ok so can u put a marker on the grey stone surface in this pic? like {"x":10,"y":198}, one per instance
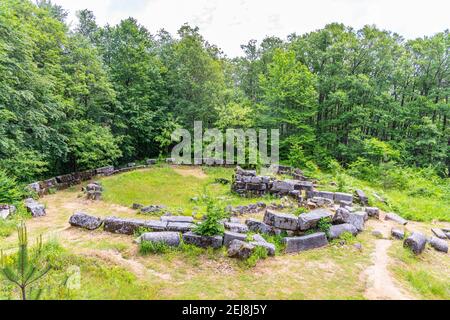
{"x":396,"y":218}
{"x":259,"y":226}
{"x":258,"y":238}
{"x":94,"y":187}
{"x":35,"y":208}
{"x":236,"y":227}
{"x":397,"y":234}
{"x":137,"y":206}
{"x":240,"y":249}
{"x":439,"y":244}
{"x":282,"y":187}
{"x":416,"y":242}
{"x":83,"y":220}
{"x":281,"y":220}
{"x":312,"y":241}
{"x":339,"y":196}
{"x":341,"y":216}
{"x":122,"y":226}
{"x":448,"y":235}
{"x":373,"y":212}
{"x":439,"y":233}
{"x":270,"y":247}
{"x":183,"y":219}
{"x":321,"y":202}
{"x":155,"y":225}
{"x":362,"y":198}
{"x":151,"y":161}
{"x":309,"y":220}
{"x":229,"y":236}
{"x":325,"y":194}
{"x":203,"y":241}
{"x":242,"y":172}
{"x":6,"y":211}
{"x":357,"y":219}
{"x":105,"y":171}
{"x":172,"y":239}
{"x":337,"y":230}
{"x":152,"y":209}
{"x":180,"y":226}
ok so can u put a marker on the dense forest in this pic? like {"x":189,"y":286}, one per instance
{"x":89,"y":95}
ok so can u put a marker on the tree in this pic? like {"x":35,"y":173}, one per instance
{"x":289,"y":99}
{"x":28,"y":270}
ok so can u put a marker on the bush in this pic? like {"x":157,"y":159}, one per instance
{"x":212,"y":225}
{"x":10,"y":192}
{"x":324,"y":225}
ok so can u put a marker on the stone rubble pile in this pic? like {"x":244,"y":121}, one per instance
{"x":249,"y":209}
{"x":93,"y":191}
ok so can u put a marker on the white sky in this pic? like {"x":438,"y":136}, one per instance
{"x":230,"y":23}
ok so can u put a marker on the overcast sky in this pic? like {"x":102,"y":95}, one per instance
{"x":230,"y":23}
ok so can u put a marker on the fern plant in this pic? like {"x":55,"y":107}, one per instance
{"x":27,"y":270}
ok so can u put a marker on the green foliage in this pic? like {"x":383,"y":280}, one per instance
{"x":259,"y":253}
{"x":324,"y":225}
{"x":300,"y":210}
{"x":29,"y":270}
{"x":10,"y":192}
{"x":211,"y":225}
{"x":92,"y":146}
{"x":347,"y":238}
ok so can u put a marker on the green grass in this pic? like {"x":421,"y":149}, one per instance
{"x":425,"y":275}
{"x":419,"y":200}
{"x":164,"y":186}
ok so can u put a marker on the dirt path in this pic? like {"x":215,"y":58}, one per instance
{"x":193,"y":172}
{"x":381,"y":285}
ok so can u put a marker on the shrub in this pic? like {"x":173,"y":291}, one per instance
{"x":10,"y":192}
{"x":212,"y":225}
{"x":324,"y":225}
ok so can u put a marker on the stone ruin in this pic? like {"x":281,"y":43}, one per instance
{"x":93,"y":191}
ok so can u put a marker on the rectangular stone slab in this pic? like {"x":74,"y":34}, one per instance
{"x":236,"y":227}
{"x":396,"y":218}
{"x":203,"y":241}
{"x":309,"y":220}
{"x":339,"y":196}
{"x":439,"y":233}
{"x":180,"y":226}
{"x":229,"y":236}
{"x":312,"y":241}
{"x":281,"y":220}
{"x":184,"y":219}
{"x":155,"y":225}
{"x":123,"y":226}
{"x":259,"y":226}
